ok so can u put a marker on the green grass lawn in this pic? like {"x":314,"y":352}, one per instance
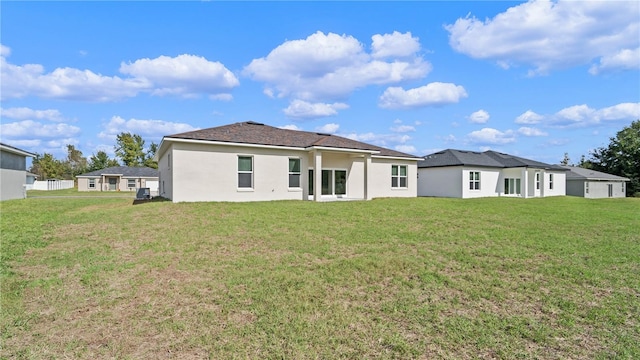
{"x":389,"y":278}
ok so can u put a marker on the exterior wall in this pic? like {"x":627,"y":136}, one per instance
{"x":209,"y":172}
{"x":559,"y":184}
{"x":489,"y":183}
{"x":204,"y":172}
{"x":11,"y":161}
{"x":380,"y":181}
{"x":440,"y":182}
{"x":12,"y":184}
{"x":576,"y":188}
{"x":13,"y":176}
{"x":593,"y":189}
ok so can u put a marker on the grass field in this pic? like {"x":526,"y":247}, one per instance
{"x":552,"y":278}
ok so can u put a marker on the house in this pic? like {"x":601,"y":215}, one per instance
{"x":594,"y":184}
{"x":470,"y":174}
{"x":119,"y":178}
{"x":13,"y":172}
{"x":250,"y":161}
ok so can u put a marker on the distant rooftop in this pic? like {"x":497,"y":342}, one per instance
{"x":452,"y":157}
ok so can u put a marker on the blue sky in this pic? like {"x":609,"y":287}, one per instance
{"x":535,"y":79}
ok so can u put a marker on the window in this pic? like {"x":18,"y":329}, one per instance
{"x":512,"y":186}
{"x":131,"y":183}
{"x":294,"y":173}
{"x":245,"y":172}
{"x":537,"y":181}
{"x":551,"y":181}
{"x":474,"y":180}
{"x":92,"y":183}
{"x":398,"y":176}
{"x":586,"y":187}
{"x":169,"y":161}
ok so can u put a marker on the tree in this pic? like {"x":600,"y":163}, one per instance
{"x":565,"y":159}
{"x":75,"y":164}
{"x":101,"y":161}
{"x":130,"y":149}
{"x":151,"y":152}
{"x":47,"y":167}
{"x":621,"y":157}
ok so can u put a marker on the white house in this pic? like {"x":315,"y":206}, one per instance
{"x":13,"y":172}
{"x":249,"y":161}
{"x":470,"y":174}
{"x":594,"y":184}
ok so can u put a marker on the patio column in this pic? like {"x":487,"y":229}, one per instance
{"x":525,"y":183}
{"x":367,"y":176}
{"x":317,"y":175}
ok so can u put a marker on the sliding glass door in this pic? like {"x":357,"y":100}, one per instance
{"x":334,"y":182}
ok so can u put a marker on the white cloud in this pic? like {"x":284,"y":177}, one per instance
{"x":529,"y":117}
{"x":144,"y":128}
{"x":185,"y":75}
{"x":330,"y":66}
{"x":30,"y":129}
{"x":385,"y":140}
{"x":552,"y":35}
{"x":394,"y":45}
{"x":433,"y":94}
{"x":582,"y":115}
{"x":490,"y":136}
{"x":299,"y":109}
{"x":407,"y":149}
{"x":330,"y":128}
{"x":479,"y":117}
{"x":290,"y":127}
{"x":529,"y":131}
{"x":403,"y":128}
{"x":24,"y":113}
{"x":625,"y":59}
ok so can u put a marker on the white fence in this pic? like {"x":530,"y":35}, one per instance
{"x":51,"y":185}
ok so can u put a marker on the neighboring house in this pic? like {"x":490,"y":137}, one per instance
{"x":594,"y":184}
{"x":13,"y":172}
{"x":250,"y":161}
{"x":119,"y":178}
{"x":470,"y":174}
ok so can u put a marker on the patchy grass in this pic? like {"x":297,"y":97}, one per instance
{"x":388,"y":278}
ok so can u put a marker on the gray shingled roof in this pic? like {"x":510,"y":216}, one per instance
{"x":578,"y":173}
{"x":125,"y":171}
{"x":451,"y":157}
{"x":255,"y":133}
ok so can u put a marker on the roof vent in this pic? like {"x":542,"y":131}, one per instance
{"x":254,"y":123}
{"x":323,"y":134}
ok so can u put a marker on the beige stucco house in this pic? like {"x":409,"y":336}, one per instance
{"x":471,"y":174}
{"x":249,"y":161}
{"x":13,"y":172}
{"x":119,"y":178}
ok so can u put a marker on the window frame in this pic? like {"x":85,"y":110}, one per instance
{"x":129,"y":183}
{"x":242,"y":172}
{"x":398,"y":177}
{"x":474,"y":181}
{"x":537,"y":181}
{"x":294,"y":174}
{"x":513,"y":186}
{"x":550,"y":181}
{"x":91,"y":183}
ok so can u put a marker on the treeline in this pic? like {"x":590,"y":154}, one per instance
{"x":621,"y":157}
{"x":129,"y":150}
